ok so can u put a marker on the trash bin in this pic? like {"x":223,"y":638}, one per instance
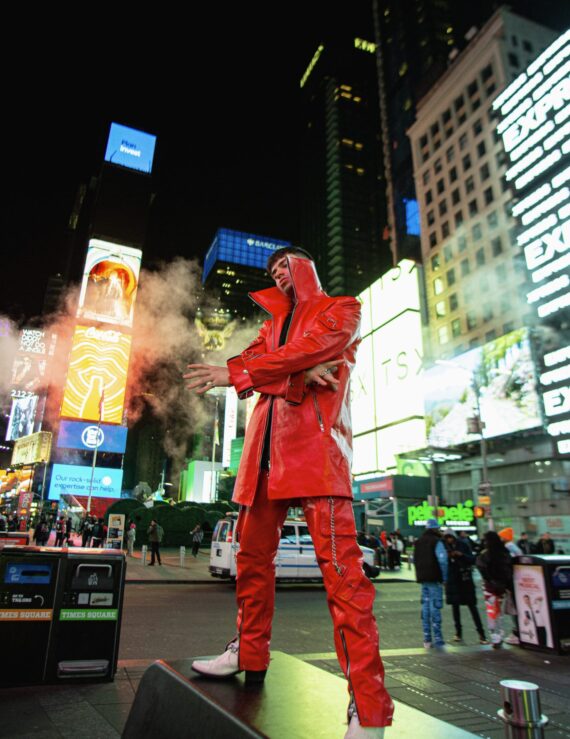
{"x":15,"y":537}
{"x":61,"y":613}
{"x":29,"y":578}
{"x":542,"y":596}
{"x":87,"y":623}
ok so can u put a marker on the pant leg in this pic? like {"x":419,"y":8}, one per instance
{"x":350,"y":597}
{"x":493,"y":607}
{"x":436,"y":606}
{"x":426,"y":611}
{"x":457,"y":618}
{"x":258,"y":530}
{"x":477,"y":619}
{"x":152,"y":552}
{"x":158,"y":552}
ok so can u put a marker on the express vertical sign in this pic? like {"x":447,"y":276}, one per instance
{"x":534,"y":113}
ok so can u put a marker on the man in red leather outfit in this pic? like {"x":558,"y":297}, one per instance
{"x":298,"y":451}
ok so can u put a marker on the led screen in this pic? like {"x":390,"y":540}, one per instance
{"x":87,"y":436}
{"x":97,"y":368}
{"x":110,"y":280}
{"x":238,"y":247}
{"x":76,"y":480}
{"x":130,"y":148}
{"x":22,"y":416}
{"x":503,"y":371}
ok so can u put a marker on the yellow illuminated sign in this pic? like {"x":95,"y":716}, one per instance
{"x":97,"y":368}
{"x":33,"y":448}
{"x":312,"y":63}
{"x":363,"y":45}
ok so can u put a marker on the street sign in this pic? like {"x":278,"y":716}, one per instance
{"x":485,"y":488}
{"x":484,"y":500}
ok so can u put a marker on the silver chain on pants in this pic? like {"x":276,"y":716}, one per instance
{"x":336,"y":565}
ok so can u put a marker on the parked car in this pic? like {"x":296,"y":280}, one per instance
{"x":295,"y":558}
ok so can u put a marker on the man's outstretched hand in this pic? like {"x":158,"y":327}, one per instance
{"x":323,"y":375}
{"x":204,"y":377}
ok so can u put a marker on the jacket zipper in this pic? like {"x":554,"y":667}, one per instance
{"x":318,"y":410}
{"x":345,"y":650}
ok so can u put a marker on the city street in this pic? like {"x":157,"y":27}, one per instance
{"x":166,"y":617}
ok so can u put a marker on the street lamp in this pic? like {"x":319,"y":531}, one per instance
{"x":476,"y":425}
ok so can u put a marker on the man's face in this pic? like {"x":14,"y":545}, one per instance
{"x":282,"y":277}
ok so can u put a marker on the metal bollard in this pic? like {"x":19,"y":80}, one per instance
{"x":144,"y":549}
{"x":521,"y":712}
{"x":182,"y":556}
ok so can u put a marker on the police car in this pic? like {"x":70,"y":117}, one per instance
{"x":295,"y":558}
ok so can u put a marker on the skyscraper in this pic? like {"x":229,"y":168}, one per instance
{"x":343,"y":196}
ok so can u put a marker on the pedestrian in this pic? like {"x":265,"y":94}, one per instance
{"x":297,"y":452}
{"x":97,"y":533}
{"x":86,"y":532}
{"x":68,"y":530}
{"x":430,"y":557}
{"x":507,"y":535}
{"x":12,"y":523}
{"x":545,"y":544}
{"x":59,"y":531}
{"x":41,"y":532}
{"x":459,"y":587}
{"x":131,"y":537}
{"x":155,"y":533}
{"x":494,"y":564}
{"x":524,"y":544}
{"x":399,"y":550}
{"x":3,"y":522}
{"x":197,"y":536}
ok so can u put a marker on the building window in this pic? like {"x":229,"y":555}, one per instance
{"x":513,"y":59}
{"x":461,"y":244}
{"x":456,"y":327}
{"x":442,"y":208}
{"x":430,"y":217}
{"x":487,"y":312}
{"x":458,"y":218}
{"x":440,"y":186}
{"x":452,"y":174}
{"x":440,"y":309}
{"x":437,"y":167}
{"x":485,"y":172}
{"x":432,"y":239}
{"x":450,"y":277}
{"x":471,"y":320}
{"x":443,"y":335}
{"x":463,"y":142}
{"x":450,"y":154}
{"x":527,"y":46}
{"x":469,"y":184}
{"x":491,"y":335}
{"x":488,"y":196}
{"x":459,"y":102}
{"x":477,"y":127}
{"x":480,"y":257}
{"x":446,"y":117}
{"x":491,"y":89}
{"x":505,"y":305}
{"x":501,"y":273}
{"x":426,"y":176}
{"x":423,"y":141}
{"x":497,"y":246}
{"x":493,"y":219}
{"x":438,"y":286}
{"x":447,"y":253}
{"x":445,"y":229}
{"x":481,"y":149}
{"x":487,"y":72}
{"x":453,"y":302}
{"x":508,"y":327}
{"x":477,"y":232}
{"x":435,"y":262}
{"x":466,"y":162}
{"x":473,"y":209}
{"x":455,"y":196}
{"x":429,"y":197}
{"x":472,"y":89}
{"x":484,"y":285}
{"x":465,"y":267}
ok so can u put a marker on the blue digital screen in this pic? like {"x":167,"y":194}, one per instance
{"x":412,"y":216}
{"x":20,"y":573}
{"x":80,"y":435}
{"x":75,"y":479}
{"x":238,"y":247}
{"x":130,"y":148}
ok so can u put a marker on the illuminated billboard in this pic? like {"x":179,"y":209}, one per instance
{"x":238,"y":247}
{"x":97,"y":368}
{"x":90,"y":436}
{"x":128,"y":147}
{"x":32,"y":449}
{"x":22,"y":415}
{"x":534,"y":123}
{"x":76,"y":480}
{"x":386,"y":396}
{"x":109,"y":285}
{"x":502,"y":373}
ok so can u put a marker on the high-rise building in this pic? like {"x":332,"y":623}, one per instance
{"x":343,"y":195}
{"x":474,"y":273}
{"x":234,"y":265}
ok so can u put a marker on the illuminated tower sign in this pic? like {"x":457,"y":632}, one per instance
{"x":534,"y":124}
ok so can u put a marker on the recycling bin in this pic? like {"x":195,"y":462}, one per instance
{"x":61,"y":613}
{"x":29,"y":580}
{"x":542,"y":597}
{"x":85,"y":636}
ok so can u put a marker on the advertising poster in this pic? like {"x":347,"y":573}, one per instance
{"x":97,"y":368}
{"x":28,"y":373}
{"x":532,"y":606}
{"x":130,"y":148}
{"x":110,"y":281}
{"x":115,"y":531}
{"x":89,"y":436}
{"x":76,"y":480}
{"x":22,"y":416}
{"x":32,"y":449}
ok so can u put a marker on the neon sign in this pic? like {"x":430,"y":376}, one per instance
{"x":458,"y":515}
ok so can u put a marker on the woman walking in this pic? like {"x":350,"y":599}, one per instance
{"x":494,"y":564}
{"x":459,"y":587}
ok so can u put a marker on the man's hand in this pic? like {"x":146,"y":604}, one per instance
{"x":206,"y":376}
{"x":322,"y":374}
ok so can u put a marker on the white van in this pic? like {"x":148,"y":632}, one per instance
{"x":295,"y":556}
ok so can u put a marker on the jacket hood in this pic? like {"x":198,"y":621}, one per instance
{"x":306,"y":285}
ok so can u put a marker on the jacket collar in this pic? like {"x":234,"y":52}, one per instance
{"x":306,"y":286}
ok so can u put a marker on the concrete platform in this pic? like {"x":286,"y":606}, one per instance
{"x":297,"y":700}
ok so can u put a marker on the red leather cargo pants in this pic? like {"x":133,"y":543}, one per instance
{"x":350,"y":594}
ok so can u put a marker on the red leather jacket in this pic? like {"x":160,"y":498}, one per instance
{"x":311,"y":437}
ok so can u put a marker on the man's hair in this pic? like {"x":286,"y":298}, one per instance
{"x":295,"y":250}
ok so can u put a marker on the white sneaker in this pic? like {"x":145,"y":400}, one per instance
{"x":356,"y":731}
{"x":512,"y":639}
{"x":226,"y":665}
